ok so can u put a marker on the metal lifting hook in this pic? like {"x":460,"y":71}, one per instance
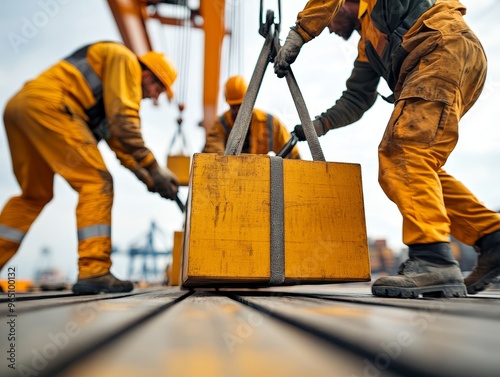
{"x":270,"y":31}
{"x":264,"y":27}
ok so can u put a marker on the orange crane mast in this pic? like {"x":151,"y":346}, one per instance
{"x":131,"y":17}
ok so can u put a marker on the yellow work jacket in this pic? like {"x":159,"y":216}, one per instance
{"x":120,"y":76}
{"x":390,"y":48}
{"x":266,"y":133}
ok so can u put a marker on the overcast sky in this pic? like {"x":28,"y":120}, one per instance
{"x":34,"y":34}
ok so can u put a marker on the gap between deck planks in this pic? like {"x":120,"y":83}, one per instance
{"x":317,"y":331}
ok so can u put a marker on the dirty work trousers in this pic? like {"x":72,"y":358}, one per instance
{"x":45,"y":140}
{"x":421,"y":134}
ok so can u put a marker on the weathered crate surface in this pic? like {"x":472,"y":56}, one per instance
{"x":326,"y":330}
{"x":238,"y":211}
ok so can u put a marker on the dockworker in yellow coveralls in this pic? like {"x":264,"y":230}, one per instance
{"x":265,"y":134}
{"x":53,"y":125}
{"x":436,"y":67}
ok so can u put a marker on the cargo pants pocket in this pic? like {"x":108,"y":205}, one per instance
{"x":416,"y":120}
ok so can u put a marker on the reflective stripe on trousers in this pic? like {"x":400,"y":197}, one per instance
{"x":11,"y":234}
{"x":98,"y":230}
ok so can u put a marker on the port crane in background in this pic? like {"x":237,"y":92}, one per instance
{"x":148,"y":256}
{"x":148,"y":253}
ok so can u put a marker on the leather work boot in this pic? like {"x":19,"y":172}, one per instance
{"x":431,"y":271}
{"x":488,"y":263}
{"x":104,"y":283}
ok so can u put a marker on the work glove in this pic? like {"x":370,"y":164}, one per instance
{"x":319,"y":127}
{"x":165,"y":182}
{"x":287,"y":53}
{"x":143,"y":175}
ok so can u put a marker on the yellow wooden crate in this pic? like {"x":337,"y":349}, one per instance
{"x":175,"y":266}
{"x":228,"y":223}
{"x":180,"y":165}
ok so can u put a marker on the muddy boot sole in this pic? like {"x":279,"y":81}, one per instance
{"x":93,"y":289}
{"x":443,"y":291}
{"x":481,"y":285}
{"x":88,"y":289}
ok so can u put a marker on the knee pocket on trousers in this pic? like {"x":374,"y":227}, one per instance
{"x":418,"y":121}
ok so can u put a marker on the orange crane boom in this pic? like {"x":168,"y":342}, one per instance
{"x":131,"y":17}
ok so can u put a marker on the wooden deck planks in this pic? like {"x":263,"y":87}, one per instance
{"x":37,"y":301}
{"x":53,"y":336}
{"x":323,"y":330}
{"x":214,"y":336}
{"x":484,"y":305}
{"x":426,"y":339}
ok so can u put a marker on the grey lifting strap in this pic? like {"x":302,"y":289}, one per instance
{"x":236,"y":139}
{"x":270,"y":130}
{"x":237,"y":136}
{"x":79,"y":60}
{"x":277,"y":222}
{"x":305,"y":119}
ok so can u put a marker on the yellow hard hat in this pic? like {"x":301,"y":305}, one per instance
{"x":162,"y":67}
{"x":236,"y":87}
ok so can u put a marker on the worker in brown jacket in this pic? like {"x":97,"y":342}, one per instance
{"x":436,"y":67}
{"x":53,"y":125}
{"x":265,"y":134}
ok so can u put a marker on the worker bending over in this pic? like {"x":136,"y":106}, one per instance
{"x":265,"y":134}
{"x":53,"y":126}
{"x":436,"y":67}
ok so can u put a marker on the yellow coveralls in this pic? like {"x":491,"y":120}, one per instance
{"x":46,"y":125}
{"x":258,"y":142}
{"x":439,"y":76}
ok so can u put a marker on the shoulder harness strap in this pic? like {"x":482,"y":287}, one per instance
{"x":96,"y":114}
{"x":270,"y":132}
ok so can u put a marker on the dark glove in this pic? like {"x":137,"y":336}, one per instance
{"x":143,"y":175}
{"x":287,"y":53}
{"x":165,"y":182}
{"x":319,"y":127}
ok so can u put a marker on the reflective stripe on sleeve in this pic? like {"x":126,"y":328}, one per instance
{"x":11,"y":234}
{"x":94,"y":231}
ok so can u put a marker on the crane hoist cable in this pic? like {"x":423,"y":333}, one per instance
{"x":236,"y":26}
{"x":240,"y":37}
{"x":177,"y":47}
{"x":180,"y":45}
{"x":181,"y":53}
{"x":183,"y":48}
